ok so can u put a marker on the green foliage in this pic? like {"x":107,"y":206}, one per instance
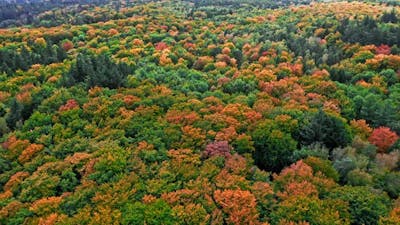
{"x":345,"y":165}
{"x":315,"y":150}
{"x":376,"y":111}
{"x":155,"y":213}
{"x":390,"y":76}
{"x":172,"y":112}
{"x":182,"y":80}
{"x":69,"y":180}
{"x":389,"y":182}
{"x":19,"y":217}
{"x":323,"y":166}
{"x":23,"y":59}
{"x":14,"y":116}
{"x":367,"y":31}
{"x":390,"y":17}
{"x":240,"y":86}
{"x":312,"y":210}
{"x":110,"y":166}
{"x":273,"y":148}
{"x":324,"y":128}
{"x":243,"y":145}
{"x":76,"y":201}
{"x":357,"y":177}
{"x":97,"y":71}
{"x":365,"y":206}
{"x":38,"y":187}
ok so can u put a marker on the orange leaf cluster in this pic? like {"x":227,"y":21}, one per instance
{"x":239,"y":205}
{"x":29,"y":152}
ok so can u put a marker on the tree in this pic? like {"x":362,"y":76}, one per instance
{"x":323,"y":166}
{"x":15,"y":114}
{"x":324,"y":128}
{"x":362,"y":129}
{"x":389,"y":182}
{"x":191,"y":214}
{"x":376,"y":110}
{"x":300,"y":209}
{"x":392,"y":219}
{"x":41,"y":42}
{"x":390,"y":76}
{"x":358,"y":177}
{"x":240,"y":206}
{"x":300,"y":180}
{"x":29,"y":151}
{"x":218,"y":148}
{"x":97,"y":71}
{"x":111,"y":165}
{"x":383,"y":138}
{"x":390,"y":17}
{"x":67,"y":45}
{"x":273,"y":147}
{"x":366,"y":207}
{"x":157,"y":213}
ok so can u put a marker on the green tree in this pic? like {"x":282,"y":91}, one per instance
{"x":366,"y":206}
{"x":15,"y":114}
{"x":312,"y":210}
{"x":273,"y":147}
{"x":324,"y":128}
{"x":155,"y":213}
{"x":97,"y":71}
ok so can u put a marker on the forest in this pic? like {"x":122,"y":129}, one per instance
{"x":202,"y":112}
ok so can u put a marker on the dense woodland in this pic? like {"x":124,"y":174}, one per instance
{"x":200,"y":112}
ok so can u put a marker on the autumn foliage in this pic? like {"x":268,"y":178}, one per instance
{"x":383,"y":138}
{"x":238,"y":205}
{"x":199,"y":112}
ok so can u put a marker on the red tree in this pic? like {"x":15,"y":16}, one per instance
{"x":218,"y":148}
{"x":383,"y":49}
{"x":68,"y":45}
{"x":71,"y":104}
{"x":161,"y":46}
{"x":383,"y":138}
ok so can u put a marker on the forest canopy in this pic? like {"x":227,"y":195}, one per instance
{"x":200,"y":112}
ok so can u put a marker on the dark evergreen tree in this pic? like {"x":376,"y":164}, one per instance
{"x":389,"y":17}
{"x":15,"y":113}
{"x":273,"y":148}
{"x":97,"y":71}
{"x":326,"y":129}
